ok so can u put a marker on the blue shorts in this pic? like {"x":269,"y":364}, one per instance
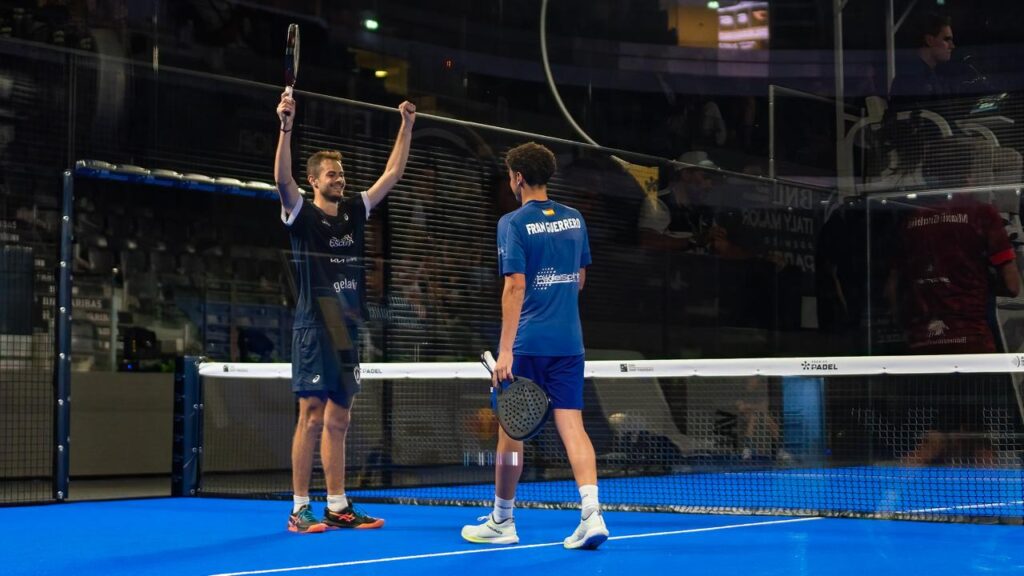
{"x":560,"y":376}
{"x":320,"y":370}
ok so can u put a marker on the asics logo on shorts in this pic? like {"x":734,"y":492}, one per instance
{"x":316,"y":379}
{"x":357,"y":373}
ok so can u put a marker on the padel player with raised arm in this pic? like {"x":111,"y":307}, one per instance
{"x":543,"y":251}
{"x":327,"y":251}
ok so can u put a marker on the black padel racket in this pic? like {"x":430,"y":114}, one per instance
{"x":522,"y":407}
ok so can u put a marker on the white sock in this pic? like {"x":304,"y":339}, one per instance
{"x":588,"y":500}
{"x":299,"y":502}
{"x":503,"y":508}
{"x":337,"y":503}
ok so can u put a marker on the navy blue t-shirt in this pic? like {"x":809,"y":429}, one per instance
{"x":547,"y":242}
{"x":327,"y":253}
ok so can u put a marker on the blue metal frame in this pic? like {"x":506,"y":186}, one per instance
{"x":182,"y":183}
{"x":62,"y":346}
{"x":187,"y":453}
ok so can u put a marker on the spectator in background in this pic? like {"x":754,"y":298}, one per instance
{"x":676,"y":217}
{"x":953,"y":257}
{"x":919,"y":77}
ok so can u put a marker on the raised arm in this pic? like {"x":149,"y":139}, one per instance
{"x":287,"y":188}
{"x":399,"y":156}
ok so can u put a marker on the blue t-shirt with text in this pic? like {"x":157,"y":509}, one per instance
{"x":547,"y":242}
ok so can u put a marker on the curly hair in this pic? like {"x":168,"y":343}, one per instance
{"x":535,"y":162}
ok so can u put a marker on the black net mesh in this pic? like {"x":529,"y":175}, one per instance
{"x":927,"y":447}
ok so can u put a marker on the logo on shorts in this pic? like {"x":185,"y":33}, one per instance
{"x":316,"y":379}
{"x":357,"y":374}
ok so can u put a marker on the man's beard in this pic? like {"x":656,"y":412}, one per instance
{"x":334,"y":194}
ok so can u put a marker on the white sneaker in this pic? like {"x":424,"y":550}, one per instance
{"x":491,"y":532}
{"x":590,"y":534}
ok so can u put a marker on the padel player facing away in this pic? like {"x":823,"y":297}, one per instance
{"x":327,"y":250}
{"x":543,"y":252}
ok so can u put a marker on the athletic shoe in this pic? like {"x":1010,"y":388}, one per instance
{"x":350,"y":517}
{"x":304,"y":522}
{"x":590,"y":534}
{"x":491,"y":532}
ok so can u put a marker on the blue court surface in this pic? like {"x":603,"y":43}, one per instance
{"x":203,"y":536}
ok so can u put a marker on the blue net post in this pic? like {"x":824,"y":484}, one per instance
{"x":62,"y":357}
{"x":188,"y":423}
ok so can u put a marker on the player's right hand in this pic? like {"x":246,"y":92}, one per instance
{"x":286,"y":111}
{"x":502,"y":369}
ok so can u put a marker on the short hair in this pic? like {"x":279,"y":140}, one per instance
{"x":930,"y":24}
{"x":534,"y":161}
{"x":313,"y":164}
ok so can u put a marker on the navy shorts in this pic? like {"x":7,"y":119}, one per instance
{"x":560,"y":376}
{"x":320,"y":370}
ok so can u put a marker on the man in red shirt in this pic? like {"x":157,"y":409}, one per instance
{"x":953,"y":256}
{"x":947,"y":250}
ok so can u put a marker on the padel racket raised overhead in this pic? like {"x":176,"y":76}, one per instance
{"x":291,"y":58}
{"x":522,"y":407}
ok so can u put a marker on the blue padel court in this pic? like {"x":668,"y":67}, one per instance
{"x":189,"y":536}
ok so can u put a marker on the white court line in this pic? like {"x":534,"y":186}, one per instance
{"x":965,"y":507}
{"x":506,"y":548}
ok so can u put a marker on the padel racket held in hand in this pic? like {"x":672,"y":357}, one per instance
{"x":291,"y":59}
{"x":522,"y":407}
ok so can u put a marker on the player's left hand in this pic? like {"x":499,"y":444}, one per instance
{"x":408,"y":110}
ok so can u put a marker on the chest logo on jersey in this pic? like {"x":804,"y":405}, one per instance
{"x":343,"y":242}
{"x":346,"y":284}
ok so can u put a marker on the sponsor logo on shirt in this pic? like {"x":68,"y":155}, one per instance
{"x":553,"y":227}
{"x":937,"y":328}
{"x":938,"y":219}
{"x":548,"y":211}
{"x":343,"y":242}
{"x":548,"y":277}
{"x":346,"y":260}
{"x":346,"y":284}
